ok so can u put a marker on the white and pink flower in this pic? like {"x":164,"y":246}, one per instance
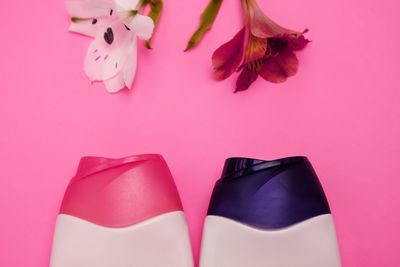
{"x":112,"y":56}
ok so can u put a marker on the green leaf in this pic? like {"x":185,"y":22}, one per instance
{"x":156,"y":7}
{"x":207,"y":19}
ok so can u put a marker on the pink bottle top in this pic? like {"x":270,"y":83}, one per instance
{"x":121,"y":192}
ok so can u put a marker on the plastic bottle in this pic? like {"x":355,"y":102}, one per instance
{"x":122,"y":213}
{"x":269,"y":214}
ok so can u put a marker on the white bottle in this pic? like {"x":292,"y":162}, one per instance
{"x":269,"y":214}
{"x":122,"y":213}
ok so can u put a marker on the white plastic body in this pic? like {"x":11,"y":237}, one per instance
{"x":311,"y":243}
{"x":160,"y":241}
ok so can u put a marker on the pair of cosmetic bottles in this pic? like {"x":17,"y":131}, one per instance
{"x":127,"y":213}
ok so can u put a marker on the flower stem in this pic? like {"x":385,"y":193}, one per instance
{"x":156,"y":7}
{"x":245,"y":11}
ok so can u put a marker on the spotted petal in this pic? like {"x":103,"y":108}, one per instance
{"x":91,"y":27}
{"x":89,"y":17}
{"x":245,"y":79}
{"x":125,"y":77}
{"x":142,"y":25}
{"x":106,"y":55}
{"x":255,"y":49}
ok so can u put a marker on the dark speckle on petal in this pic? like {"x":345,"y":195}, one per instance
{"x":109,"y":36}
{"x":111,"y":12}
{"x":94,"y":21}
{"x":246,"y":78}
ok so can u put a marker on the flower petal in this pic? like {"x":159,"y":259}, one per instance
{"x":142,"y":25}
{"x":126,"y":5}
{"x":125,"y":77}
{"x":297,"y":43}
{"x":245,"y":79}
{"x":90,"y":27}
{"x":277,"y":68}
{"x":129,"y":70}
{"x":115,"y":83}
{"x":227,"y":57}
{"x":85,"y":27}
{"x":88,"y":8}
{"x":255,"y":49}
{"x":262,"y":26}
{"x":107,"y":56}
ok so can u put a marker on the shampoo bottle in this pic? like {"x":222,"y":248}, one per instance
{"x":269,"y":214}
{"x":121,"y":213}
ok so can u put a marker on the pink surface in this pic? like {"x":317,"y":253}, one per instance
{"x":121,"y":192}
{"x":341,"y":110}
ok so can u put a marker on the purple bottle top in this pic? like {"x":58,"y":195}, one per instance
{"x":268,"y":194}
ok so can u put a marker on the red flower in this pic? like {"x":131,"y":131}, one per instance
{"x":267,"y":49}
{"x":276,"y":63}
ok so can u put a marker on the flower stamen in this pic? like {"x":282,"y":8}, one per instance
{"x":133,"y":13}
{"x":77,"y":20}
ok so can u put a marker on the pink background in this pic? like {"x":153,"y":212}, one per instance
{"x":341,"y":110}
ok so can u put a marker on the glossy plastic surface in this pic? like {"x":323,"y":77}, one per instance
{"x":268,"y":194}
{"x":121,"y":192}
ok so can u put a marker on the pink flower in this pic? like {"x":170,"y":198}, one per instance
{"x":260,"y":48}
{"x":112,"y":56}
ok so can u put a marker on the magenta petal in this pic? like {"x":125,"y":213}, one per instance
{"x":227,"y":57}
{"x":245,"y":79}
{"x":277,"y":68}
{"x":297,"y":43}
{"x":262,"y":26}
